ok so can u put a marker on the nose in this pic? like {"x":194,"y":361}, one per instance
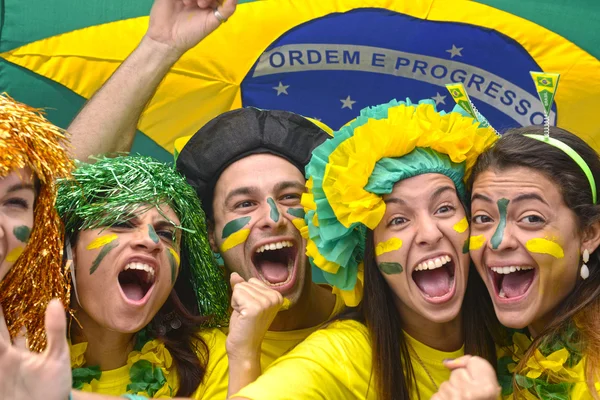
{"x":503,"y":238}
{"x":428,"y":232}
{"x":146,"y":238}
{"x":272,"y":217}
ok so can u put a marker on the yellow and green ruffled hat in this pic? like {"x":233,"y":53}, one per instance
{"x":348,"y":175}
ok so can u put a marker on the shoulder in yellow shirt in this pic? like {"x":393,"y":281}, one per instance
{"x":335,"y":363}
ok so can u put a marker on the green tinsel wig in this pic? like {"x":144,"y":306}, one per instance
{"x":111,"y":189}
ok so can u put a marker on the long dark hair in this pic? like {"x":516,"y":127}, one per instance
{"x":190,"y":353}
{"x":581,"y":307}
{"x":378,"y":312}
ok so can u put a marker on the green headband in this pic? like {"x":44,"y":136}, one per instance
{"x":574,"y":156}
{"x":112,"y":189}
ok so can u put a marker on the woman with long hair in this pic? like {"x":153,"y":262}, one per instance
{"x":145,"y":284}
{"x":536,"y":222}
{"x":31,"y":233}
{"x":386,"y":210}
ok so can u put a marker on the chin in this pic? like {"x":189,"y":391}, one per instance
{"x":131,"y":326}
{"x":444,"y":315}
{"x":514,"y":319}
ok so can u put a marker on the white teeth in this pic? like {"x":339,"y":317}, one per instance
{"x":274,"y":246}
{"x":502,"y":294}
{"x":142,"y":267}
{"x":510,"y":269}
{"x":434,"y":263}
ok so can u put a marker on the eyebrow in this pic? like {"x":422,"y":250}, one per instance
{"x":21,"y":186}
{"x":163,"y":223}
{"x":246,"y":190}
{"x":439,"y":191}
{"x":394,"y":200}
{"x":529,"y":196}
{"x":477,"y":196}
{"x":289,"y":184}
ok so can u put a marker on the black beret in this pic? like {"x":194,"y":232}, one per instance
{"x":239,"y":133}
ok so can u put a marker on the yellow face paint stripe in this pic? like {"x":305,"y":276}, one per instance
{"x":235,"y":239}
{"x":387,"y":246}
{"x":545,"y":246}
{"x":461,"y":225}
{"x":101,"y":241}
{"x":14,"y":254}
{"x":175,"y":256}
{"x":476,"y":242}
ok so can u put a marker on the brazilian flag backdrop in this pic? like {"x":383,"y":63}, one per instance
{"x":325,"y":59}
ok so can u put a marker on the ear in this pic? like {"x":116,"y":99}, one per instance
{"x":591,"y":237}
{"x":210,"y":227}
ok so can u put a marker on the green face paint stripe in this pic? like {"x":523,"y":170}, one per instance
{"x":296,"y":212}
{"x":390,"y":268}
{"x":22,"y":233}
{"x":274,"y":211}
{"x":499,"y":233}
{"x":173,"y":266}
{"x":152,"y":234}
{"x":234,"y":226}
{"x":465,"y":248}
{"x":105,"y":250}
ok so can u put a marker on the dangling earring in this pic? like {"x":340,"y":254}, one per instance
{"x":585,"y":271}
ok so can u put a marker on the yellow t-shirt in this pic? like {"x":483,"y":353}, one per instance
{"x":214,"y":385}
{"x":335,"y":363}
{"x":276,"y":344}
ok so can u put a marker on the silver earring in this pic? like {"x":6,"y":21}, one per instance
{"x":585,"y":271}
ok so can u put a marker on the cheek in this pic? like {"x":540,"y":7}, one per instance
{"x":389,"y":256}
{"x":233,"y":233}
{"x":17,"y":233}
{"x":174,"y":263}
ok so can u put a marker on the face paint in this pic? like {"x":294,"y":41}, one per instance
{"x":296,"y":212}
{"x":387,"y":246}
{"x":475,"y":242}
{"x":286,"y":304}
{"x":101,"y":241}
{"x":274,"y":211}
{"x":234,"y":234}
{"x":233,"y":226}
{"x":14,"y":254}
{"x":461,"y":225}
{"x":390,"y":268}
{"x":105,"y":250}
{"x":22,"y":233}
{"x":499,"y":233}
{"x":465,"y":248}
{"x":152,"y":234}
{"x":174,"y":261}
{"x":545,"y":246}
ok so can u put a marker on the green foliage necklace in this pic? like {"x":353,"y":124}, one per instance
{"x":151,"y":371}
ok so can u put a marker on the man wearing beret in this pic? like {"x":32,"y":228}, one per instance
{"x":247,"y":167}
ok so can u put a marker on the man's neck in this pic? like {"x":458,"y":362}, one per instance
{"x":312,"y":309}
{"x":106,"y":349}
